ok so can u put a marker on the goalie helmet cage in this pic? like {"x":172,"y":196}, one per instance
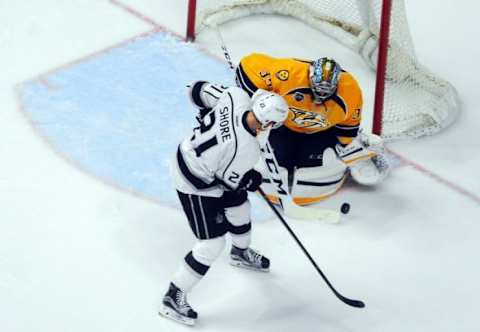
{"x":410,"y":101}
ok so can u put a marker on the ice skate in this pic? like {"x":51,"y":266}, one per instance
{"x":176,"y":307}
{"x":249,"y":259}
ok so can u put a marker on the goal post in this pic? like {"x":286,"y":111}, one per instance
{"x":191,"y":14}
{"x":410,"y":100}
{"x":384,"y":33}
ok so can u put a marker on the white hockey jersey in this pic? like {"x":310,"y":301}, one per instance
{"x":222,"y":148}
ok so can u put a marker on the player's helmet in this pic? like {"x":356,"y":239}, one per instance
{"x":270,"y":109}
{"x":324,"y":74}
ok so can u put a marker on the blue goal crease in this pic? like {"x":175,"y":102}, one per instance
{"x":121,"y":115}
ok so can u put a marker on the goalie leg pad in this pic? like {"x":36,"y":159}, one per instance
{"x":267,"y":186}
{"x":310,"y":184}
{"x":370,"y":172}
{"x":313,"y":184}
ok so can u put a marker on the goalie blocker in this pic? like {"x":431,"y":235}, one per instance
{"x":364,"y":159}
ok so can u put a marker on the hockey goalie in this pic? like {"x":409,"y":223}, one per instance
{"x":321,"y":142}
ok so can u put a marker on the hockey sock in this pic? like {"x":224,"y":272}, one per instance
{"x":189,"y":273}
{"x":241,"y":235}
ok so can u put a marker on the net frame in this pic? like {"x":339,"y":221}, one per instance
{"x":376,"y":23}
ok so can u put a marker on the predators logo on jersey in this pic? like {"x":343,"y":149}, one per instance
{"x":306,"y":119}
{"x":282,"y":75}
{"x":289,"y":77}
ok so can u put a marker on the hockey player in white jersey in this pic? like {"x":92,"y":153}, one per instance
{"x":213,"y":172}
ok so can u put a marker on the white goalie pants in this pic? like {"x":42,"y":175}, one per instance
{"x":308,"y":185}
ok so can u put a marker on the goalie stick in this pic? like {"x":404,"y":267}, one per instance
{"x":226,"y":54}
{"x":290,"y":209}
{"x":350,"y":302}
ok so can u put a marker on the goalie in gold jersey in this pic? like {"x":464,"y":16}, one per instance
{"x":320,"y":141}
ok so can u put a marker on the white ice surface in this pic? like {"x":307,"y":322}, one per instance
{"x":78,"y":255}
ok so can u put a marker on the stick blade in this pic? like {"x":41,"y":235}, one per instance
{"x":307,"y":213}
{"x":350,"y":302}
{"x":355,"y":303}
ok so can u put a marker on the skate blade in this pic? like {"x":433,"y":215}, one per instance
{"x":175,"y":316}
{"x":247,"y":266}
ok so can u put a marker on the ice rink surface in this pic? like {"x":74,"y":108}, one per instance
{"x":89,"y":235}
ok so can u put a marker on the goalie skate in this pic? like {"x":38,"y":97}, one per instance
{"x":176,"y":307}
{"x":249,"y":259}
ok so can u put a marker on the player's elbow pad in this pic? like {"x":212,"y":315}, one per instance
{"x":205,"y":95}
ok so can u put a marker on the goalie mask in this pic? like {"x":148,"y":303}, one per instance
{"x":324,"y":75}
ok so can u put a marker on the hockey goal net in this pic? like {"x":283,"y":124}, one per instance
{"x":410,"y":100}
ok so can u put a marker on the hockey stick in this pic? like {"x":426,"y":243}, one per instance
{"x":226,"y":54}
{"x":350,"y":302}
{"x":289,"y":207}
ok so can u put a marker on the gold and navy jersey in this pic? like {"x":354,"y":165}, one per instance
{"x":289,"y":78}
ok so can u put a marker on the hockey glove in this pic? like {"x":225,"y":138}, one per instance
{"x":366,"y":159}
{"x":250,"y":181}
{"x":353,"y":152}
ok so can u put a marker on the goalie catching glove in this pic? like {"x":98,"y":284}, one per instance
{"x":366,"y":158}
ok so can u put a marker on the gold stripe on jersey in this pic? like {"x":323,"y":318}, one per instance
{"x":289,"y":77}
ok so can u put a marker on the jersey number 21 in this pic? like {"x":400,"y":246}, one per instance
{"x":202,"y":134}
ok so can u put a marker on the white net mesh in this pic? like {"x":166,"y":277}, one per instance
{"x":416,"y":102}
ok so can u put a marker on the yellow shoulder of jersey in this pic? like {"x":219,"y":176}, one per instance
{"x":349,"y":90}
{"x":275,"y":74}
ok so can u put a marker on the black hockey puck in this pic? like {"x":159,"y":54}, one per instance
{"x":345,"y":208}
